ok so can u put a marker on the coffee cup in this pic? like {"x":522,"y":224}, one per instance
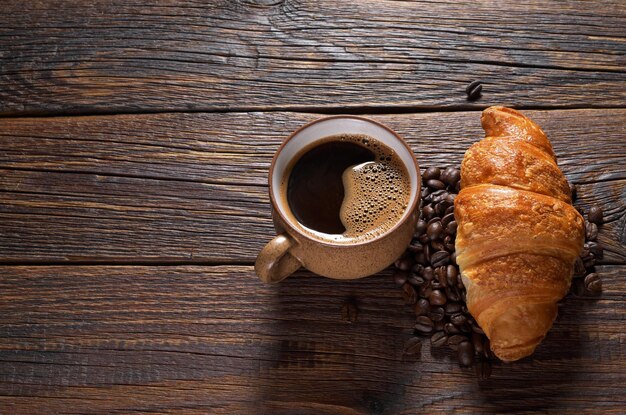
{"x":379,"y":200}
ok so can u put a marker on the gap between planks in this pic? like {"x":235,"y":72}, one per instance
{"x":363,"y":110}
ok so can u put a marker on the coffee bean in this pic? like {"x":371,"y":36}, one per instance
{"x":451,"y":275}
{"x":404,"y":264}
{"x":439,"y":194}
{"x":440,"y":258}
{"x":451,"y":328}
{"x":436,"y":184}
{"x":579,"y":268}
{"x":478,"y":342}
{"x":415,"y":246}
{"x":420,"y":258}
{"x":450,"y":199}
{"x":437,"y":298}
{"x":589,"y":262}
{"x":453,"y":258}
{"x":471,"y":87}
{"x":349,"y":312}
{"x":455,"y":340}
{"x":436,"y":314}
{"x":595,"y":215}
{"x":457,"y":188}
{"x":415,"y":280}
{"x":593,"y":283}
{"x":451,"y":228}
{"x":427,"y":253}
{"x":439,"y":325}
{"x":459,"y":282}
{"x":408,"y":293}
{"x":476,"y":329}
{"x":572,"y":188}
{"x":465,"y":327}
{"x":475,"y":93}
{"x":584,"y":253}
{"x":400,"y":277}
{"x":452,"y":294}
{"x":440,"y":273}
{"x":444,"y":174}
{"x":449,"y":210}
{"x":483,"y":369}
{"x":439,"y":339}
{"x":596,"y":249}
{"x":448,"y":243}
{"x":435,"y":230}
{"x":413,"y":347}
{"x":431,"y":173}
{"x":591,"y":231}
{"x":425,"y":291}
{"x":440,"y":209}
{"x":431,"y":221}
{"x":420,"y":227}
{"x":458,"y":319}
{"x":424,"y":325}
{"x":447,"y":219}
{"x":452,"y":176}
{"x":422,"y":307}
{"x":428,"y":212}
{"x":452,"y":308}
{"x":417,"y":269}
{"x":428,"y":273}
{"x":466,"y":353}
{"x":424,"y":240}
{"x":437,"y":246}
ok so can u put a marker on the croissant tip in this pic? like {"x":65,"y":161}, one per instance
{"x":518,"y":352}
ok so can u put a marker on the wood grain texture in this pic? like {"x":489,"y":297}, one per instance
{"x":213,"y":339}
{"x":121,"y":56}
{"x":192,"y":187}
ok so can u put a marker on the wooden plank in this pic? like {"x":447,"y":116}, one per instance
{"x":46,"y":216}
{"x":161,"y":187}
{"x":237,"y":148}
{"x":213,"y":339}
{"x":118,"y":56}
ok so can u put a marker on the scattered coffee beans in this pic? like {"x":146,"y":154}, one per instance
{"x":431,"y":281}
{"x":473,"y":90}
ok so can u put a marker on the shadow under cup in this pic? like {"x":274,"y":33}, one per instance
{"x":295,"y":247}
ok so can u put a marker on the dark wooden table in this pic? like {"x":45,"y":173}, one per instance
{"x":134,"y":149}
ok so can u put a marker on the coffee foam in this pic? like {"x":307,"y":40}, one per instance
{"x":377,"y":193}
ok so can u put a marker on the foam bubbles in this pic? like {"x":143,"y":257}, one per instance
{"x":376,"y":194}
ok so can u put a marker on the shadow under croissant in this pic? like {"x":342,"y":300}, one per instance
{"x":315,"y":362}
{"x":552,"y":372}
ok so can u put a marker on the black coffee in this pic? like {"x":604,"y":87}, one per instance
{"x":347,"y":186}
{"x":315,"y":191}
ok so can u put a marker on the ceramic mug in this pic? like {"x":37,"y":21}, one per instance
{"x":293,"y":248}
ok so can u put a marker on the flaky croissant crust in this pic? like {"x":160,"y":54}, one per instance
{"x":518,"y":235}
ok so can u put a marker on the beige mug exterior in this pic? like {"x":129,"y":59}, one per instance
{"x":293,"y":248}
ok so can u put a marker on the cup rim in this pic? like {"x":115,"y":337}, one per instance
{"x":344,"y":245}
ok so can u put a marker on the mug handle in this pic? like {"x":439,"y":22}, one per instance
{"x":274,"y":262}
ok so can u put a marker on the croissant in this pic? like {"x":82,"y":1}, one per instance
{"x":518,"y":235}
